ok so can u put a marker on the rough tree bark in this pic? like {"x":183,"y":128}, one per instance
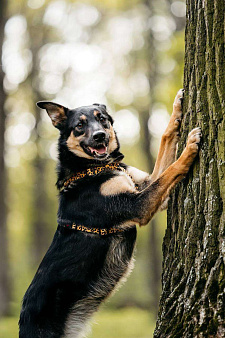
{"x":193,"y":282}
{"x":4,"y":268}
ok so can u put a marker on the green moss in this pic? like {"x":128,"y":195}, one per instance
{"x":213,"y":292}
{"x":176,"y":326}
{"x":176,"y":278}
{"x":200,"y":285}
{"x":212,"y":326}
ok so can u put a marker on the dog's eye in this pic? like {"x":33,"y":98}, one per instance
{"x":102,"y":119}
{"x":79,"y":125}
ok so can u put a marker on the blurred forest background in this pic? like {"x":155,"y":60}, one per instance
{"x":127,"y":54}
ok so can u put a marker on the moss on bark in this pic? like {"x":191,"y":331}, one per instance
{"x":193,"y":298}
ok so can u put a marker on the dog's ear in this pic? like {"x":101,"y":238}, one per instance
{"x":56,"y":112}
{"x":100,"y":105}
{"x":110,"y":119}
{"x":103,"y":106}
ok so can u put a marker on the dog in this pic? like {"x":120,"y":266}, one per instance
{"x":101,"y":201}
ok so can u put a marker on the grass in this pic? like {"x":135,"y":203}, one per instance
{"x":9,"y":327}
{"x":125,"y":323}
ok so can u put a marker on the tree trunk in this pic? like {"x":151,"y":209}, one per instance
{"x":193,"y":299}
{"x":40,"y":228}
{"x":4,"y":268}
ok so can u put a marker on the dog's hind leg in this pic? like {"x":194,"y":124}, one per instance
{"x":77,"y":325}
{"x":167,"y":150}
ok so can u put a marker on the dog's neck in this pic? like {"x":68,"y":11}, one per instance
{"x":69,"y":163}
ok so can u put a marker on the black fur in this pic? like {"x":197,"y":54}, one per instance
{"x":76,"y":262}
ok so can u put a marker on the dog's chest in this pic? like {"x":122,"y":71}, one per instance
{"x":120,"y":183}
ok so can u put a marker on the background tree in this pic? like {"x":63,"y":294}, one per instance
{"x":4,"y":267}
{"x":193,"y":299}
{"x":40,"y":220}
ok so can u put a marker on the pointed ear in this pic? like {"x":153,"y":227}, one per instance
{"x":110,"y":119}
{"x":100,"y":105}
{"x":103,"y":106}
{"x":56,"y":112}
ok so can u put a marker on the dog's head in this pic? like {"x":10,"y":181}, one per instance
{"x":86,"y":131}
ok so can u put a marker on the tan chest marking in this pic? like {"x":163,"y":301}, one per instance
{"x":138,"y":176}
{"x":117,"y":185}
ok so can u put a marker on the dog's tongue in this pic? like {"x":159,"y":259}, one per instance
{"x":101,"y":150}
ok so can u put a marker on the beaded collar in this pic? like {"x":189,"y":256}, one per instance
{"x":69,"y":183}
{"x":94,"y":171}
{"x":98,"y":231}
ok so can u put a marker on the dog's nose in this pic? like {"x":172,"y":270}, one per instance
{"x":99,"y":136}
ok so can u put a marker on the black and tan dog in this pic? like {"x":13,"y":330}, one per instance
{"x":101,"y":201}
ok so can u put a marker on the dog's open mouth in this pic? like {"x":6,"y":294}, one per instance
{"x":99,"y":150}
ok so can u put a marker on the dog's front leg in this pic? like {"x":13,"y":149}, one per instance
{"x":125,"y":206}
{"x":167,"y":149}
{"x":153,"y":196}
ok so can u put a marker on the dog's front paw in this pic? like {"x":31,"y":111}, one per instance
{"x":194,"y":138}
{"x":191,"y":150}
{"x":177,"y":108}
{"x":179,"y":99}
{"x":173,"y":129}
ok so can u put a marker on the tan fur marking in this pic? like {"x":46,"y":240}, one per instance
{"x":167,"y":149}
{"x":138,"y":176}
{"x":166,"y":156}
{"x":83,"y":118}
{"x":176,"y":117}
{"x":73,"y":144}
{"x":96,"y":112}
{"x":112,"y":140}
{"x":128,"y":225}
{"x":170,"y":177}
{"x":116,"y":185}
